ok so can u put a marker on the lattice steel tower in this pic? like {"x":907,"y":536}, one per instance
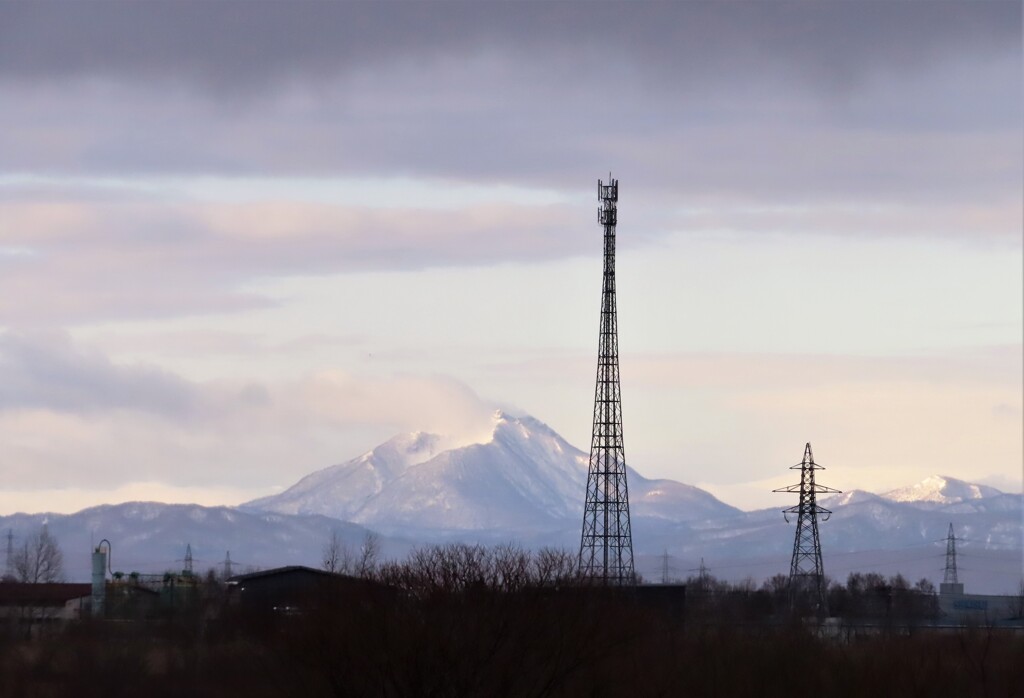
{"x":606,"y":544}
{"x":806,"y":573}
{"x":949,"y":577}
{"x":950,"y":583}
{"x":9,"y":564}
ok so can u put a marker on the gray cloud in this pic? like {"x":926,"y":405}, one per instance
{"x":756,"y":100}
{"x":48,"y":372}
{"x":247,"y":45}
{"x":889,"y":119}
{"x":70,"y":417}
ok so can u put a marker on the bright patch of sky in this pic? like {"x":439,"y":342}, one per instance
{"x":688,"y":293}
{"x":370,"y":192}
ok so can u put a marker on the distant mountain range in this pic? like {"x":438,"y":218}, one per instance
{"x":151,"y":537}
{"x":525,"y":483}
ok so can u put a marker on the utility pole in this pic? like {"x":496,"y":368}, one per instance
{"x":606,"y":543}
{"x":806,"y":572}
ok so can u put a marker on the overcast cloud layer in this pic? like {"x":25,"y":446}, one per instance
{"x":338,"y":220}
{"x":893,"y":99}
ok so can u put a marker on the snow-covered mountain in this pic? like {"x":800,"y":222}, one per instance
{"x":524,"y":479}
{"x":524,"y":482}
{"x":941,"y":490}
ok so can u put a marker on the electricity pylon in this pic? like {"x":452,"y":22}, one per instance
{"x":949,"y":577}
{"x":806,"y":572}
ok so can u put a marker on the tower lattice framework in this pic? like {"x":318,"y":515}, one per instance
{"x":949,"y":576}
{"x":606,"y":544}
{"x":806,"y":572}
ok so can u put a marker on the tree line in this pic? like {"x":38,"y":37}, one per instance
{"x":460,"y":620}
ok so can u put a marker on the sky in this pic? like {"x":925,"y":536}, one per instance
{"x":242,"y":241}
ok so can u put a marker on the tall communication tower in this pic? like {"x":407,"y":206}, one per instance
{"x":606,"y":544}
{"x":806,"y":573}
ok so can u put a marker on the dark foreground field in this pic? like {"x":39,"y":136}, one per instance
{"x":437,"y":631}
{"x":482,"y":646}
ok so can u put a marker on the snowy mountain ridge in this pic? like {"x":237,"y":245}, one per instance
{"x":939,"y":489}
{"x":523,"y":477}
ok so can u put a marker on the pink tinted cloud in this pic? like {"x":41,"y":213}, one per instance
{"x":70,"y":417}
{"x":82,"y":261}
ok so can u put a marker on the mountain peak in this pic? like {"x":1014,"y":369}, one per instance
{"x":522,"y":475}
{"x":417,"y":447}
{"x":940,"y":489}
{"x":404,"y":450}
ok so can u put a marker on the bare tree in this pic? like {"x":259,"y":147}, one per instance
{"x":40,"y":559}
{"x":368,"y":553}
{"x":337,"y":557}
{"x":553,"y":566}
{"x":1017,"y":602}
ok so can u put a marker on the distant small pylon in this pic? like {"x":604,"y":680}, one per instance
{"x":9,"y":565}
{"x":227,"y":565}
{"x":188,"y":558}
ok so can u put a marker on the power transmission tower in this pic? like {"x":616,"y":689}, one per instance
{"x":950,"y":583}
{"x":227,"y":565}
{"x":702,"y":582}
{"x":664,"y":568}
{"x":188,"y":559}
{"x":9,"y":565}
{"x":806,"y":573}
{"x":606,"y":544}
{"x":950,"y":575}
